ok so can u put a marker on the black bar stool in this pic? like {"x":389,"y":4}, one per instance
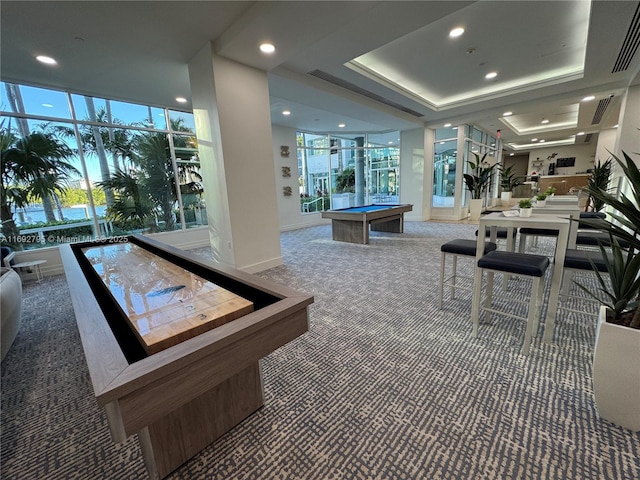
{"x":454,"y":248}
{"x":575,"y":261}
{"x":518,"y":264}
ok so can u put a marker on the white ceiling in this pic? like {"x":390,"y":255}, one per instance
{"x":548,"y":55}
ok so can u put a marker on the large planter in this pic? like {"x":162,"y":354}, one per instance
{"x":505,"y":198}
{"x":616,"y":373}
{"x":475,"y":208}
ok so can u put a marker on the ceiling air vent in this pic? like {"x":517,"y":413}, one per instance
{"x":327,"y":77}
{"x":587,"y":137}
{"x":630,"y":45}
{"x":602,"y":106}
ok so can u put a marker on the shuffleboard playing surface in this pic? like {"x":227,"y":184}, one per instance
{"x":164,"y":303}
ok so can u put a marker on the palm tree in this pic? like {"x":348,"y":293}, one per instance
{"x":146,"y":189}
{"x":33,"y":167}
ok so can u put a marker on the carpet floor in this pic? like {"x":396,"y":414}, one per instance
{"x":383,"y":386}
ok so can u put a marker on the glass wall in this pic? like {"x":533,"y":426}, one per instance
{"x":102,"y":168}
{"x":345,"y":170}
{"x":444,"y":167}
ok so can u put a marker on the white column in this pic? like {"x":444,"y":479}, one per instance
{"x":233,"y":126}
{"x":412,"y":174}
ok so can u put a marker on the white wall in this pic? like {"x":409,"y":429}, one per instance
{"x":606,"y":144}
{"x":629,"y":131}
{"x":585,"y":155}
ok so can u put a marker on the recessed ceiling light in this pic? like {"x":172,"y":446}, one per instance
{"x":181,"y":100}
{"x":454,"y":128}
{"x":588,"y":98}
{"x":534,"y":139}
{"x":267,"y":48}
{"x":580,"y":133}
{"x":447,"y":125}
{"x":456,"y":32}
{"x":544,"y":121}
{"x":286,"y":112}
{"x":45,"y":59}
{"x":511,"y":154}
{"x":491,"y":75}
{"x":507,"y":114}
{"x":541,"y":141}
{"x":342,"y":125}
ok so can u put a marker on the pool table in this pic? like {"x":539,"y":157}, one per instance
{"x":352,"y":224}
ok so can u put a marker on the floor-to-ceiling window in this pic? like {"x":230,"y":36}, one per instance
{"x":444,"y":167}
{"x":342,"y":170}
{"x":133,"y":168}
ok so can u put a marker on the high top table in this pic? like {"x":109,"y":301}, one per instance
{"x":563,"y":210}
{"x":537,"y":220}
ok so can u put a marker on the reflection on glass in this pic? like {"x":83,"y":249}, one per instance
{"x":34,"y":101}
{"x":345,"y":170}
{"x":121,"y":113}
{"x":127,"y":167}
{"x":444,"y":173}
{"x":190,"y":180}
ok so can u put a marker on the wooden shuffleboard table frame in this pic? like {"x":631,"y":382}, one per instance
{"x":179,"y":400}
{"x":352,"y":224}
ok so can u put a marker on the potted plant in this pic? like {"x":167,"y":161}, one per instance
{"x":541,"y":200}
{"x":616,"y":362}
{"x":478,"y":181}
{"x":550,"y":191}
{"x":599,"y":180}
{"x":526,"y":207}
{"x":508,"y":181}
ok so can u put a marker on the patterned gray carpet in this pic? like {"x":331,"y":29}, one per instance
{"x":384,"y":386}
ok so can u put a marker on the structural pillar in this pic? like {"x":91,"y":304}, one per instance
{"x":233,"y":125}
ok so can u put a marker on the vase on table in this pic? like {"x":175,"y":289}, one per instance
{"x":526,"y":212}
{"x":475,"y":208}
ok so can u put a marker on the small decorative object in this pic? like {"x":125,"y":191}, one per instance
{"x":287,"y":191}
{"x":284,"y":150}
{"x":541,"y":200}
{"x":286,"y":172}
{"x":526,"y":208}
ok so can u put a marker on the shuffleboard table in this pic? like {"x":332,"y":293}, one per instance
{"x":352,"y":224}
{"x":173,"y":341}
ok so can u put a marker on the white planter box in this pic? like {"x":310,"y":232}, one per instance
{"x":616,"y":373}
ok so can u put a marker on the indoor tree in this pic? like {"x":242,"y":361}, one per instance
{"x":33,"y":166}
